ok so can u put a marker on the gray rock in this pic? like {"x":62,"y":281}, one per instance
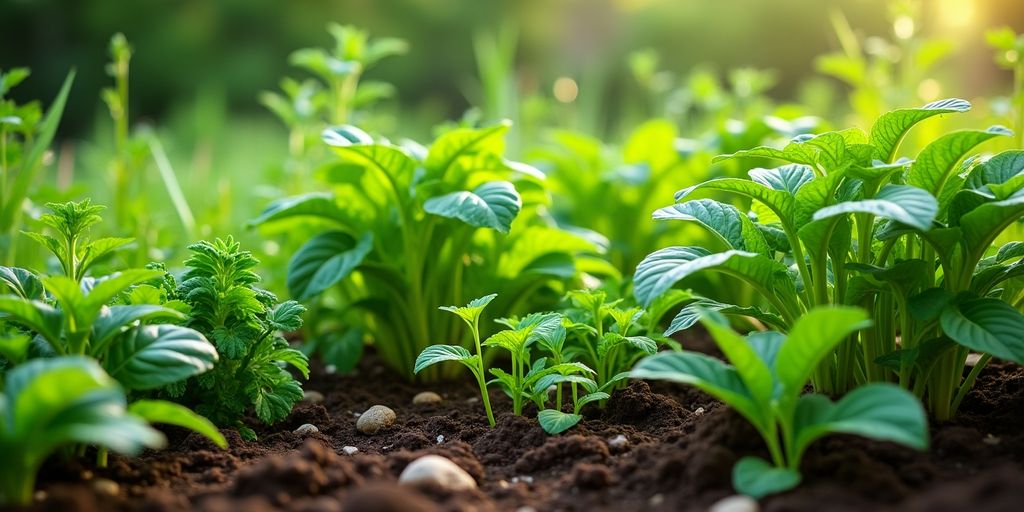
{"x":375,"y":419}
{"x":350,"y":450}
{"x":427,"y":398}
{"x":313,"y":397}
{"x":435,"y":470}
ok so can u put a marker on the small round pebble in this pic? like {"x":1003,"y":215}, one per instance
{"x":735,"y":503}
{"x":312,"y":396}
{"x":375,"y":419}
{"x":106,"y":487}
{"x":435,"y":470}
{"x":426,"y":397}
{"x":350,"y":450}
{"x":306,"y":429}
{"x":618,"y":442}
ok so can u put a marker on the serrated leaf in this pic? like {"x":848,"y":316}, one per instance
{"x":470,"y":313}
{"x":286,"y":316}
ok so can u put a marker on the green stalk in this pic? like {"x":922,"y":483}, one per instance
{"x":480,"y":380}
{"x":969,"y":382}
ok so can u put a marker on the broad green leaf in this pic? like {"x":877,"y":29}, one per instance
{"x":512,"y":340}
{"x":491,"y":205}
{"x":902,"y":203}
{"x":595,"y":396}
{"x":112,"y":321}
{"x":35,"y":315}
{"x":104,"y":290}
{"x":324,"y":260}
{"x":153,"y":356}
{"x":813,"y":337}
{"x":997,"y":170}
{"x":884,"y":412}
{"x":938,"y":160}
{"x":662,"y":269}
{"x":315,"y":204}
{"x":724,"y":220}
{"x":788,"y":178}
{"x":707,"y":374}
{"x":757,"y":478}
{"x":781,"y":203}
{"x":544,"y":250}
{"x":555,"y":422}
{"x":548,"y":380}
{"x":22,"y":282}
{"x":170,"y":413}
{"x":447,"y":149}
{"x":395,"y":165}
{"x":691,"y":313}
{"x":741,"y":355}
{"x":986,"y":325}
{"x":983,"y":224}
{"x":440,"y":353}
{"x":889,"y":130}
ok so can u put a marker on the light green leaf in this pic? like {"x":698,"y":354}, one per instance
{"x":902,"y":203}
{"x":315,"y":204}
{"x":153,"y":356}
{"x":113,"y":319}
{"x":983,"y":224}
{"x":447,"y":149}
{"x":889,"y":130}
{"x":170,"y":413}
{"x":781,"y":203}
{"x":724,"y":220}
{"x":491,"y":205}
{"x":812,"y":337}
{"x":35,"y":315}
{"x":757,"y":478}
{"x":440,"y":353}
{"x":22,"y":282}
{"x":555,"y":422}
{"x":938,"y":160}
{"x":788,"y":178}
{"x":324,"y":260}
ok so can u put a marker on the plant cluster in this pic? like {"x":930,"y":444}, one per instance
{"x":245,"y":324}
{"x":846,"y":221}
{"x":412,"y":229}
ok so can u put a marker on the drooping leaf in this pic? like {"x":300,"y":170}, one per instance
{"x":986,"y":325}
{"x":324,"y":260}
{"x":491,"y":205}
{"x":315,"y":204}
{"x":170,"y":413}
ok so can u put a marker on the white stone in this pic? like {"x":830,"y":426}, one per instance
{"x":699,"y":411}
{"x":426,"y":398}
{"x":375,"y":419}
{"x":526,"y":479}
{"x":618,"y":441}
{"x":306,"y":429}
{"x":736,"y":503}
{"x":440,"y":439}
{"x":437,"y":471}
{"x":350,"y":450}
{"x":106,"y":487}
{"x":331,"y":369}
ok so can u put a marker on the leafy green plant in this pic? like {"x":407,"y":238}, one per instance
{"x":414,"y":229}
{"x":765,"y":384}
{"x":847,"y":222}
{"x":73,"y":314}
{"x":48,"y":404}
{"x":244,"y":323}
{"x":25,"y":135}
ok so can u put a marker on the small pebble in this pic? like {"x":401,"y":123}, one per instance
{"x":436,"y":470}
{"x":87,"y":475}
{"x":332,"y":369}
{"x":991,"y":440}
{"x":440,"y":439}
{"x":699,"y":411}
{"x":306,"y":429}
{"x":312,"y":396}
{"x":375,"y":419}
{"x":735,"y":503}
{"x":526,"y":479}
{"x":656,"y":500}
{"x":350,"y":450}
{"x":618,"y":441}
{"x":426,"y":397}
{"x":106,"y":487}
{"x":39,"y":495}
{"x":503,"y":484}
{"x":472,"y":400}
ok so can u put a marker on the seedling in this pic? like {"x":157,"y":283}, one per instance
{"x":765,"y":382}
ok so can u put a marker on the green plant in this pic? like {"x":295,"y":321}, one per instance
{"x":765,"y":384}
{"x":48,"y":404}
{"x":414,"y":229}
{"x":244,"y":323}
{"x":25,"y":135}
{"x":72,"y":314}
{"x":846,"y":222}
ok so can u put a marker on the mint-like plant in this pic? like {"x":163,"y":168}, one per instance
{"x":245,"y":324}
{"x":846,"y":221}
{"x":413,"y":229}
{"x":765,"y":381}
{"x":54,"y":403}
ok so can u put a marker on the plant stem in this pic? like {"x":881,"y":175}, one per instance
{"x":481,"y":381}
{"x":969,"y":382}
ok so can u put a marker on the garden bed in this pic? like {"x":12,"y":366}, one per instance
{"x":680,"y":448}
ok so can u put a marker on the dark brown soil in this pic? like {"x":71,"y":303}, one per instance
{"x":681,"y":448}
